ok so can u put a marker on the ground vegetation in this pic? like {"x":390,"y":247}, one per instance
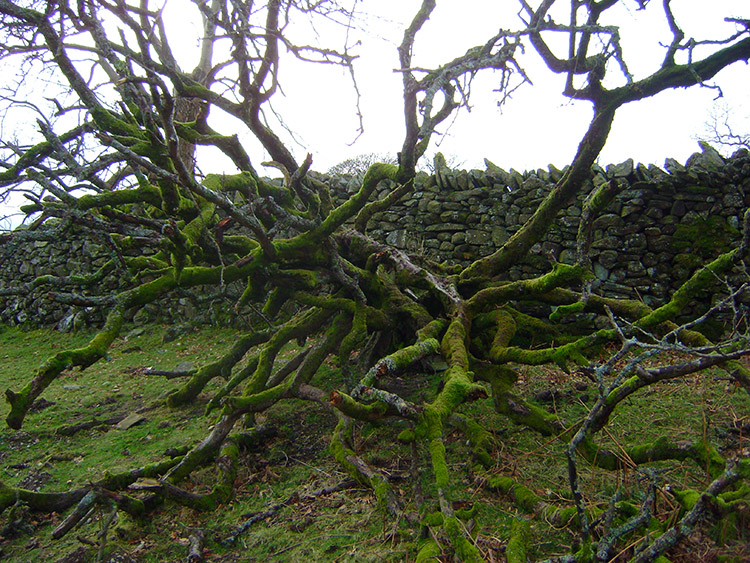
{"x":359,"y":313}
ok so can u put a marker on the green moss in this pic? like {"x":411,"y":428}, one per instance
{"x":525,"y":499}
{"x":406,"y":436}
{"x":54,"y":366}
{"x":223,"y":490}
{"x":356,"y":335}
{"x":244,"y":183}
{"x":360,"y":411}
{"x":439,"y":465}
{"x":433,"y":519}
{"x":560,"y":355}
{"x":688,"y":260}
{"x":586,"y":552}
{"x":403,"y":358}
{"x":518,"y":543}
{"x":705,"y":237}
{"x":338,"y":216}
{"x":465,"y":550}
{"x":360,"y":222}
{"x":277,"y":297}
{"x":239,"y":244}
{"x":345,"y":457}
{"x":524,"y":412}
{"x":506,"y":329}
{"x":699,"y":281}
{"x":146,"y":193}
{"x":490,"y":297}
{"x":479,"y":438}
{"x":564,"y":311}
{"x":453,"y":344}
{"x":429,"y":550}
{"x":727,"y":529}
{"x":220,"y":368}
{"x":458,"y":387}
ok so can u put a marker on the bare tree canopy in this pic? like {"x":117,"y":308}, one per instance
{"x":117,"y":152}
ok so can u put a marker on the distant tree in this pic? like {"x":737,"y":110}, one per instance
{"x":360,"y":164}
{"x":116,"y":153}
{"x":726,"y":129}
{"x":430,"y":165}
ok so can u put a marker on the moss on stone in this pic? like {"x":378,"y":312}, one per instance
{"x":705,"y":237}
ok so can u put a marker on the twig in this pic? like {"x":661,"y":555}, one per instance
{"x":273,"y":509}
{"x":197,"y":539}
{"x":293,"y":546}
{"x":700,"y":511}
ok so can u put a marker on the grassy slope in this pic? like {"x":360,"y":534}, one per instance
{"x":341,"y":526}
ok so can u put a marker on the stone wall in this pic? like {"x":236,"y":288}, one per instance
{"x":664,"y":223}
{"x":80,"y":264}
{"x":661,"y":226}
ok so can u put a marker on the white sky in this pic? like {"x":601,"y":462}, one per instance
{"x":538,"y":126}
{"x":535,"y":128}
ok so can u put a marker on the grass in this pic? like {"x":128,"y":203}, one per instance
{"x":346,"y":525}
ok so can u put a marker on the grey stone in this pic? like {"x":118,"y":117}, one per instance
{"x":600,"y":272}
{"x":607,"y":242}
{"x":733,"y":200}
{"x":474,"y":236}
{"x":672,"y":166}
{"x":458,"y":238}
{"x":635,"y":268}
{"x":709,"y":158}
{"x":608,"y":258}
{"x":66,"y":323}
{"x":130,"y":421}
{"x":607,"y":220}
{"x":622,"y":170}
{"x":568,"y":256}
{"x":463,"y":181}
{"x":396,"y":238}
{"x":445,"y":227}
{"x":499,"y":236}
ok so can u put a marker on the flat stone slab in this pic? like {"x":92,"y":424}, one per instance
{"x":130,"y":421}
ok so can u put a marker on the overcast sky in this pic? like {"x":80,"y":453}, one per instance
{"x":536,"y":128}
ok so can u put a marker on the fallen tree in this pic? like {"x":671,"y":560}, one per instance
{"x":129,"y":169}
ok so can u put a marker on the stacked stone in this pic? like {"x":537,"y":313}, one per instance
{"x":657,"y":231}
{"x":59,"y":250}
{"x":646,"y":243}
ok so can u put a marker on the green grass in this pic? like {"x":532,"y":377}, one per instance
{"x":343,"y":526}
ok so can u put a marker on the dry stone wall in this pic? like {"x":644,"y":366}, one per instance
{"x":664,"y":223}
